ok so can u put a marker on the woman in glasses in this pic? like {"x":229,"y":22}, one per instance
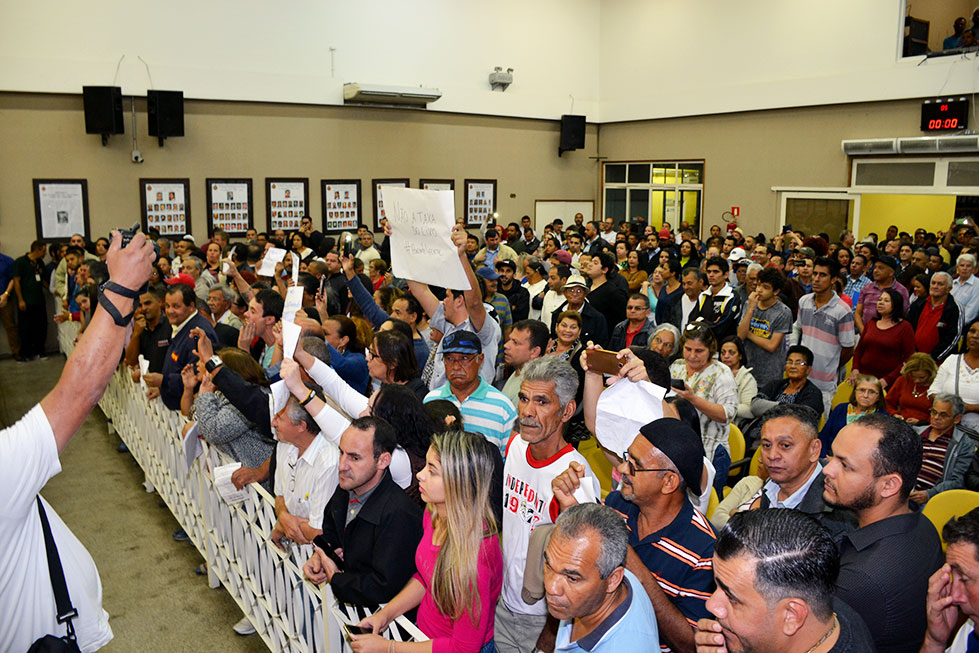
{"x":709,"y":385}
{"x":459,"y":561}
{"x":867,"y":397}
{"x":795,"y":388}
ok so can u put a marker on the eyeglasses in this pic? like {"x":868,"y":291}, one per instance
{"x":633,"y":470}
{"x":459,"y":359}
{"x":370,"y":353}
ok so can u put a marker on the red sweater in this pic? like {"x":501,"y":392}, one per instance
{"x":883,"y":353}
{"x":901,"y":402}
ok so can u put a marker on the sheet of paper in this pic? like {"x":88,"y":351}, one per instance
{"x":272,"y":256}
{"x":623,"y":409}
{"x":290,"y":338}
{"x":421,"y":244}
{"x":295,"y":268}
{"x":192,"y":446}
{"x":278,"y":398}
{"x":294,"y":302}
{"x":144,"y":367}
{"x":224,"y":486}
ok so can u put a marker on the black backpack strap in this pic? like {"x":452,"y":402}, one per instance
{"x":66,"y":612}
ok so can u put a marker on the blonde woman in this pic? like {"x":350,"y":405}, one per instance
{"x":459,"y":562}
{"x":908,"y":397}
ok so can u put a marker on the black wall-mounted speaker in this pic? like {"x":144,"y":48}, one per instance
{"x":165,"y":113}
{"x":103,"y":110}
{"x":572,"y":133}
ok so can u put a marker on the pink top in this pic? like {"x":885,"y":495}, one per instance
{"x":460,"y":635}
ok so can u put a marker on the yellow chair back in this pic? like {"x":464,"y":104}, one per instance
{"x":950,"y":503}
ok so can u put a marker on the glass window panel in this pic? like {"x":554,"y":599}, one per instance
{"x":656,"y":208}
{"x":690,"y":209}
{"x":691,"y":173}
{"x":963,"y":173}
{"x":638,"y":173}
{"x":895,"y":174}
{"x":638,"y":203}
{"x":660,"y":172}
{"x":615,"y":173}
{"x":615,"y":200}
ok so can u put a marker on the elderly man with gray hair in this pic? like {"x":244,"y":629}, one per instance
{"x":202,"y":282}
{"x":226,"y":324}
{"x":533,"y":459}
{"x":937,"y":320}
{"x":948,"y":450}
{"x":601,"y":605}
{"x":965,"y":288}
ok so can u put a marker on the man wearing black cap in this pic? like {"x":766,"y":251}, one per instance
{"x":484,"y":409}
{"x":866,"y":309}
{"x":517,"y":294}
{"x":670,"y":542}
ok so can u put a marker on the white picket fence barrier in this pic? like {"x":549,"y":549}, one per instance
{"x":267,"y":583}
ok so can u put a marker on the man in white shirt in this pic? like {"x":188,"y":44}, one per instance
{"x":693,"y":285}
{"x":965,"y":288}
{"x":536,"y":285}
{"x":29,"y":453}
{"x":951,"y":593}
{"x":608,"y":231}
{"x":368,"y":252}
{"x":556,"y":278}
{"x":533,"y":459}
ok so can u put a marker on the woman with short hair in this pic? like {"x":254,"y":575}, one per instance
{"x":867,"y":397}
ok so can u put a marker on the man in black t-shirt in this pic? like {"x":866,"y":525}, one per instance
{"x":151,"y":331}
{"x":33,"y":322}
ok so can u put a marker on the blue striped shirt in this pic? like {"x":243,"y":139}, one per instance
{"x":486,"y":411}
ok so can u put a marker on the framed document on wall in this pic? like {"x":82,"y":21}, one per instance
{"x":165,"y":206}
{"x":379,"y":203}
{"x":480,"y":202}
{"x":341,"y":204}
{"x":286,"y":202}
{"x":229,"y":205}
{"x":61,"y":208}
{"x":437,"y":184}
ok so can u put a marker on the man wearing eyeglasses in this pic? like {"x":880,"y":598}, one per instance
{"x":484,"y":409}
{"x":670,"y":542}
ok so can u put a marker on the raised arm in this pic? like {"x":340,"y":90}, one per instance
{"x":95,"y":358}
{"x":474,"y":298}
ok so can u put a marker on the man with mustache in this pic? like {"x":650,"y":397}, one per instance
{"x":670,"y":541}
{"x":533,"y":459}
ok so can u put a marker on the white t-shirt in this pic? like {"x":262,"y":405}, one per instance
{"x":527,"y":503}
{"x":307,"y":482}
{"x":29,"y":456}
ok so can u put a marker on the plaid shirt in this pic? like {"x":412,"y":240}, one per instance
{"x":853,"y":288}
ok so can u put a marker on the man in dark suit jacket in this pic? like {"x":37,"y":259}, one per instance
{"x":369,"y":522}
{"x":181,"y":309}
{"x":790,"y":449}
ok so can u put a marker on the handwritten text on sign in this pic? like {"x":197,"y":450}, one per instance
{"x":421,"y":244}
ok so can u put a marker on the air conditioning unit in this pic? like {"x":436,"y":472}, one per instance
{"x":401,"y":96}
{"x":958,"y":143}
{"x":920,"y":145}
{"x":870,"y":146}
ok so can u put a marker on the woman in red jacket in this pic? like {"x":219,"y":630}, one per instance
{"x":908,"y":397}
{"x":886,"y":343}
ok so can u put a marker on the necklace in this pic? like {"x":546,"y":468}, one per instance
{"x":916,"y":394}
{"x":824,"y":637}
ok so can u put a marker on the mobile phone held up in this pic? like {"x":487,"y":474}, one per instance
{"x":604,"y":361}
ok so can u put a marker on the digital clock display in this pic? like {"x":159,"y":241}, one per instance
{"x":941,"y":115}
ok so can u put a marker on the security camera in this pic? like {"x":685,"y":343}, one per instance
{"x":137,"y":156}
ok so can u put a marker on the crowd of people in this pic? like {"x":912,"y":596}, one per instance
{"x":428,"y":448}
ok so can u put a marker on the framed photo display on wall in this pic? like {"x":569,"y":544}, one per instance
{"x":437,"y":184}
{"x":229,"y":205}
{"x":480,"y":202}
{"x":378,"y":200}
{"x":165,"y":206}
{"x":341,"y":204}
{"x":286,"y":202}
{"x":61,"y":208}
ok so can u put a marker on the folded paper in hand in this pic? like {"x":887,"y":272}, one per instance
{"x":224,"y":486}
{"x":294,"y":302}
{"x":623,"y":409}
{"x":290,"y":338}
{"x":192,"y":446}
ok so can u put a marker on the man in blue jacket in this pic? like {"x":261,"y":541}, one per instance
{"x":181,"y":310}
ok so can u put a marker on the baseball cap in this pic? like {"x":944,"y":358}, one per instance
{"x":741,"y":263}
{"x":889,"y":261}
{"x":506,"y":263}
{"x":183,"y":278}
{"x":487,"y":272}
{"x":736,"y":254}
{"x":576,"y":281}
{"x":807,"y":252}
{"x":664,"y":233}
{"x":681,"y":445}
{"x":462,"y":342}
{"x":563,"y":256}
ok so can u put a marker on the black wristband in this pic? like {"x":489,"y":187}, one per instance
{"x":114,"y":312}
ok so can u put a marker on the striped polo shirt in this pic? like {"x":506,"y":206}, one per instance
{"x":679,"y":555}
{"x":826,"y":331}
{"x":486,"y":411}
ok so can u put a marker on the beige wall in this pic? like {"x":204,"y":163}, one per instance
{"x":44,"y":136}
{"x":746,"y":154}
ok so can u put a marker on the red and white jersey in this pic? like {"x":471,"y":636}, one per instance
{"x":528,"y":502}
